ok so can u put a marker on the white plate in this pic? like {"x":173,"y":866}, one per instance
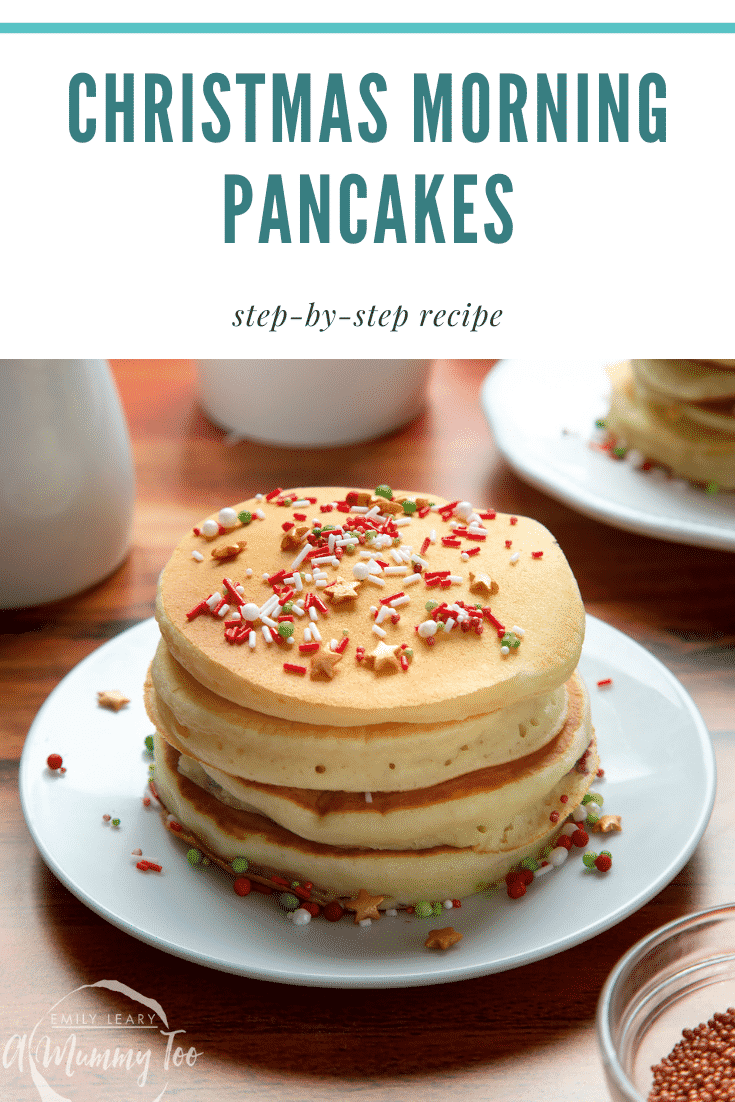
{"x":655,"y":750}
{"x":542,"y":415}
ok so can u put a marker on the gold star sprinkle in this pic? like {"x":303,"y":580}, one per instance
{"x":483,"y":583}
{"x":293,"y":537}
{"x":340,"y":590}
{"x":323,"y":662}
{"x":442,"y":939}
{"x":607,"y":823}
{"x":228,"y":551}
{"x":384,"y":657}
{"x":364,"y":905}
{"x":112,"y":699}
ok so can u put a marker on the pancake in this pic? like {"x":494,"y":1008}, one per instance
{"x":403,"y":876}
{"x":684,"y":380}
{"x":387,"y":756}
{"x":693,"y":442}
{"x":469,"y":810}
{"x":464,"y":674}
{"x":370,"y":689}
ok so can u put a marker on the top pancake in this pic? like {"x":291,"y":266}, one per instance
{"x":685,"y":380}
{"x":463,"y":674}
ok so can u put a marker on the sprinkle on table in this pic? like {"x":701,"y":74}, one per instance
{"x":605,"y":682}
{"x":443,"y":939}
{"x":54,"y":762}
{"x":364,"y":906}
{"x":112,"y":699}
{"x":291,"y":667}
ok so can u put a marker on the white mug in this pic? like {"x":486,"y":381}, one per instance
{"x":312,"y":403}
{"x":66,"y":479}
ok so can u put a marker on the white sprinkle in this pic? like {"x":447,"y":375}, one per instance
{"x":374,"y":512}
{"x":360,"y":508}
{"x":301,"y":503}
{"x":395,"y":570}
{"x":390,"y":912}
{"x":379,"y":631}
{"x":297,"y":583}
{"x":515,"y":557}
{"x":301,"y":556}
{"x":290,"y":640}
{"x":228,"y":518}
{"x":456,"y":578}
{"x":300,"y":917}
{"x":454,"y":524}
{"x":236,"y":615}
{"x":323,"y":562}
{"x":331,"y":542}
{"x":265,"y":576}
{"x":298,"y":610}
{"x":477,"y":528}
{"x":266,"y":634}
{"x":474,"y":518}
{"x":307,"y":634}
{"x":368,"y":797}
{"x":418,"y":559}
{"x":373,"y":609}
{"x":432,"y":535}
{"x":449,"y":624}
{"x":504,"y":651}
{"x":315,"y":633}
{"x":376,"y":581}
{"x":360,"y":571}
{"x":312,"y":613}
{"x":411,"y":579}
{"x":259,"y":514}
{"x":447,"y":905}
{"x":248,"y":574}
{"x":428,"y":628}
{"x":365,"y":922}
{"x":374,"y":567}
{"x":558,"y":856}
{"x":209,"y":528}
{"x":250,"y":611}
{"x":307,"y":578}
{"x":406,"y":553}
{"x":333,"y":644}
{"x":402,"y":521}
{"x":259,"y":497}
{"x":252,"y":639}
{"x":267,"y":620}
{"x":346,"y":541}
{"x":569,"y":829}
{"x":270,"y":605}
{"x":397,"y":556}
{"x":241,"y":589}
{"x":580,"y":813}
{"x":397,"y":601}
{"x":463,"y":509}
{"x":542,"y":870}
{"x":518,"y":631}
{"x":214,"y":599}
{"x":197,"y":555}
{"x":382,"y":613}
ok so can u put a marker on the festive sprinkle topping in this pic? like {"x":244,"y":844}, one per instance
{"x":54,"y":762}
{"x":112,"y":699}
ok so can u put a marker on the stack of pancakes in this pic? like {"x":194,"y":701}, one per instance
{"x":680,"y":413}
{"x":421,"y":760}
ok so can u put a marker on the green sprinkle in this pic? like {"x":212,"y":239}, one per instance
{"x":116,"y":822}
{"x":327,"y":528}
{"x":240,"y":864}
{"x":409,"y":507}
{"x":345,"y":632}
{"x":619,"y":452}
{"x":287,"y":608}
{"x":369,"y":535}
{"x":294,"y":883}
{"x":431,"y":605}
{"x":151,"y":770}
{"x":194,"y":857}
{"x":588,"y":859}
{"x":317,"y":531}
{"x":206,"y":862}
{"x":149,"y":743}
{"x":383,"y":491}
{"x":396,"y":541}
{"x":245,"y":517}
{"x":594,"y":798}
{"x":530,"y":863}
{"x":437,"y":909}
{"x":712,"y":488}
{"x":350,"y":548}
{"x":600,"y":423}
{"x":287,"y":500}
{"x":408,"y":651}
{"x":510,"y":640}
{"x":288,"y":901}
{"x":423,"y":909}
{"x":605,"y":853}
{"x":285,"y":629}
{"x":546,"y":851}
{"x":592,"y":818}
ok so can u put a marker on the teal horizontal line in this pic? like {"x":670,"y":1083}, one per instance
{"x":367,"y":28}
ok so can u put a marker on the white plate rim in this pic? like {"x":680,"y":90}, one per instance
{"x":430,"y":968}
{"x":507,"y":428}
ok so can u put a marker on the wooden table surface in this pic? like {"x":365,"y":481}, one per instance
{"x":526,"y":1034}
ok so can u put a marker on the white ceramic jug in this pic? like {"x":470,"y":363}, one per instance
{"x":66,"y":479}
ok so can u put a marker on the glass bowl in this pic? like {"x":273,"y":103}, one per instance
{"x":674,"y":979}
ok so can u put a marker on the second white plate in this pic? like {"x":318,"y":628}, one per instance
{"x":655,"y":750}
{"x":542,"y":415}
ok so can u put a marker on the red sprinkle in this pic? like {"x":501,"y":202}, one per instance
{"x":516,"y":889}
{"x":580,"y":838}
{"x":299,"y":516}
{"x":313,"y":908}
{"x":290,"y":667}
{"x":554,"y":817}
{"x":564,"y":799}
{"x":324,"y":509}
{"x":514,"y":520}
{"x":201,"y":607}
{"x":472,"y":551}
{"x":537,"y":554}
{"x":333,"y":911}
{"x":509,"y":543}
{"x":564,"y":841}
{"x":488,"y":516}
{"x":476,"y":535}
{"x":54,"y":761}
{"x":449,"y":541}
{"x":308,"y":648}
{"x":274,"y":493}
{"x":605,"y":681}
{"x":425,"y":546}
{"x":603,"y":862}
{"x":456,"y":903}
{"x":173,"y":825}
{"x":287,"y":525}
{"x":242,"y":886}
{"x":339,"y":649}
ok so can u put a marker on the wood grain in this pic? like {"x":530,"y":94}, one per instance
{"x":525,"y":1034}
